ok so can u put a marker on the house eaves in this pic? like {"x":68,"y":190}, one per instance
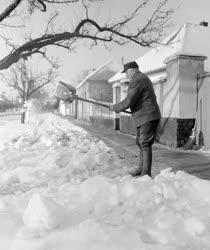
{"x":103,"y":73}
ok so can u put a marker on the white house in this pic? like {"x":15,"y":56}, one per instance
{"x":95,"y":87}
{"x":178,"y":72}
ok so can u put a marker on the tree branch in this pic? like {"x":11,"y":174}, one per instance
{"x":131,"y":16}
{"x":39,"y":87}
{"x":86,"y":8}
{"x":51,"y":22}
{"x":9,"y":9}
{"x":44,"y":6}
{"x":89,"y":29}
{"x":11,"y":26}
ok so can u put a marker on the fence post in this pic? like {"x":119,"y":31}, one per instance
{"x":76,"y":109}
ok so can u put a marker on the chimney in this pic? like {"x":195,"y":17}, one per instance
{"x":204,"y":23}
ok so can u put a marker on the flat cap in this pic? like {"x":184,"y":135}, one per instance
{"x":130,"y":65}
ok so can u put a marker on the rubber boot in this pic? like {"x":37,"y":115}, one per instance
{"x":147,"y":161}
{"x":137,"y":172}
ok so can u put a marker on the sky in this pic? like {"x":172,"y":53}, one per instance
{"x":85,"y":58}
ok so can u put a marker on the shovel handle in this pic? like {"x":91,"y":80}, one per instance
{"x":96,"y":103}
{"x":76,"y":97}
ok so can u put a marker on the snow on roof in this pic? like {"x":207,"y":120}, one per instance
{"x":103,"y":73}
{"x":155,"y":78}
{"x":190,"y":39}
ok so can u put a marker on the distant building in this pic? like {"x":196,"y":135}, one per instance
{"x":95,"y":87}
{"x":63,"y":92}
{"x":178,"y":71}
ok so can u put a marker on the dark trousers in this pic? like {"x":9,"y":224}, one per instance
{"x":146,"y":135}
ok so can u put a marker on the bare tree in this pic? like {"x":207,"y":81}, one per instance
{"x":8,"y":10}
{"x":149,"y":33}
{"x":27,"y":82}
{"x":40,"y":4}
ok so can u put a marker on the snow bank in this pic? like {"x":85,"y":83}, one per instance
{"x":168,"y":212}
{"x":50,"y":149}
{"x":41,"y":213}
{"x":61,"y":188}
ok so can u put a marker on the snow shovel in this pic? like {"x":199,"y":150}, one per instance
{"x":73,"y":96}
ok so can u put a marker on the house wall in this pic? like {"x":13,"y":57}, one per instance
{"x":83,"y":90}
{"x":203,"y":115}
{"x":176,"y":96}
{"x":95,"y":90}
{"x":66,"y":108}
{"x":189,"y":68}
{"x":178,"y":100}
{"x":100,"y":91}
{"x":62,"y":109}
{"x":83,"y":109}
{"x":158,"y":88}
{"x":169,"y":95}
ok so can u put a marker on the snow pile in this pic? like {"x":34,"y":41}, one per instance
{"x":41,"y":215}
{"x":51,"y":149}
{"x":56,"y":194}
{"x":168,"y":212}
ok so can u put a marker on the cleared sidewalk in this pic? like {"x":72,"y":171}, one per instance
{"x":193,"y":162}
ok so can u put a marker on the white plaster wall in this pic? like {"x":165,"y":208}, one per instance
{"x":170,"y":92}
{"x":100,"y":90}
{"x":188,"y":71}
{"x":69,"y":108}
{"x":158,"y":87}
{"x":124,"y":91}
{"x":62,"y":108}
{"x":116,"y":90}
{"x":83,"y":108}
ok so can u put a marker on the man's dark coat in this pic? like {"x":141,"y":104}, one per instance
{"x":141,"y":100}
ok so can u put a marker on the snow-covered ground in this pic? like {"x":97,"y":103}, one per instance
{"x":62,"y":189}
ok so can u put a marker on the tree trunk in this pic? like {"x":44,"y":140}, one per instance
{"x":23,"y":116}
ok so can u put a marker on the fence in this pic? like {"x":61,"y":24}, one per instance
{"x":91,"y":113}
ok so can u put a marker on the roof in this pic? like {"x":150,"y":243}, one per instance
{"x":190,"y":39}
{"x":103,"y":73}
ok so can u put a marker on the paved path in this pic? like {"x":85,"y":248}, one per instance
{"x":193,"y":162}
